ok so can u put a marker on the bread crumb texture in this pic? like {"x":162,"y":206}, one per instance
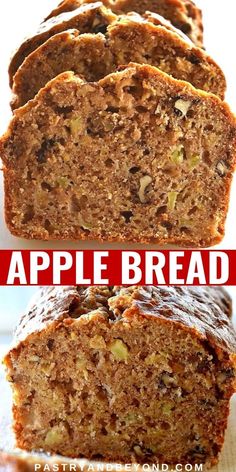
{"x":183,"y":14}
{"x":122,"y":159}
{"x":110,"y":41}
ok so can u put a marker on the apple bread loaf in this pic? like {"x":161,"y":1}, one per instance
{"x":128,"y":39}
{"x":183,"y":14}
{"x":89,"y":18}
{"x":141,"y":374}
{"x":137,"y":156}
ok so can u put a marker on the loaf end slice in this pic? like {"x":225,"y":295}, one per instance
{"x":183,"y":14}
{"x":141,"y":374}
{"x":128,"y":39}
{"x":137,"y":156}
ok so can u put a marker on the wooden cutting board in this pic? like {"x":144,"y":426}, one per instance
{"x":227,"y":461}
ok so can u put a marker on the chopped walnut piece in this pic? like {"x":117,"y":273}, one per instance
{"x":221,"y":168}
{"x":183,"y":106}
{"x":145,"y":181}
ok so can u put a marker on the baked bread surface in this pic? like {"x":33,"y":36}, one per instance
{"x":183,"y":14}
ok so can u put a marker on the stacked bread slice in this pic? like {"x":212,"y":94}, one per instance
{"x":118,"y":136}
{"x":183,"y":14}
{"x":125,"y":38}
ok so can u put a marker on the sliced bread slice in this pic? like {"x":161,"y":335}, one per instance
{"x":89,"y":18}
{"x":183,"y":14}
{"x":138,"y":156}
{"x":129,"y":38}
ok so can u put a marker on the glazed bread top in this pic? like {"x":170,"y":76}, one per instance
{"x":203,"y":311}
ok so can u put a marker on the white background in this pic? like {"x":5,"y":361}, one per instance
{"x":17,"y":19}
{"x":21,"y":17}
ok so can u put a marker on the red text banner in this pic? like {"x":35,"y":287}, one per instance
{"x":117,"y":267}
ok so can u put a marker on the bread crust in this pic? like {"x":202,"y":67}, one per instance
{"x":204,"y":311}
{"x":184,"y":14}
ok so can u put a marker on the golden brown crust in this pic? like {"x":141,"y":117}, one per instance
{"x":128,"y":38}
{"x":48,"y":305}
{"x":206,"y":311}
{"x":159,"y":20}
{"x":184,"y":14}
